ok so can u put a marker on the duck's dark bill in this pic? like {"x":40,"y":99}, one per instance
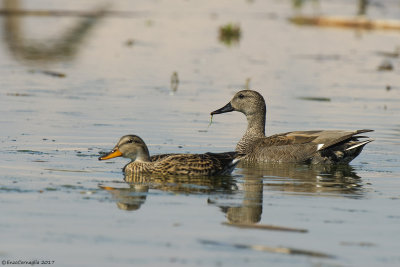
{"x":113,"y":154}
{"x":227,"y":108}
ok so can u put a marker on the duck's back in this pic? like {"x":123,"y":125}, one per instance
{"x":160,"y":156}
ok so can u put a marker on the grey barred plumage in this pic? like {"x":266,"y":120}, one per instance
{"x":318,"y":146}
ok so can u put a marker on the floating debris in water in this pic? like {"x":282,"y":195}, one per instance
{"x":230,"y":34}
{"x":70,"y":186}
{"x":361,"y":244}
{"x":312,"y":98}
{"x":149,"y":23}
{"x":50,"y":73}
{"x":18,"y":94}
{"x":32,"y":152}
{"x":129,"y":42}
{"x":54,"y":73}
{"x":50,"y":189}
{"x":174,"y":81}
{"x":386,"y":65}
{"x":346,"y":22}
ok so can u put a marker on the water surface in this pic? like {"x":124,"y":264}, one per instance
{"x":70,"y":91}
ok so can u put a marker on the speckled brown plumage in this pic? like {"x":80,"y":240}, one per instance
{"x":185,"y":164}
{"x":208,"y":164}
{"x":319,"y":146}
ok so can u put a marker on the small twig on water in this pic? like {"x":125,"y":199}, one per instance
{"x":210,"y":121}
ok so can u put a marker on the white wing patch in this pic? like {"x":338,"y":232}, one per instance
{"x":319,"y":146}
{"x":360,"y":144}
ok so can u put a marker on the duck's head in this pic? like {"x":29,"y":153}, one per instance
{"x":248,"y":102}
{"x":129,"y":146}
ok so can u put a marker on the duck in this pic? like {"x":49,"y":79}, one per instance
{"x":207,"y":164}
{"x":314,"y":147}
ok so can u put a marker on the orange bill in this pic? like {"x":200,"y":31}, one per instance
{"x":113,"y":154}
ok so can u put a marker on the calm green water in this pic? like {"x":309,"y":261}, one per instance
{"x":113,"y":77}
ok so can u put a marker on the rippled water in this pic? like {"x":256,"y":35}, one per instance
{"x":69,"y":91}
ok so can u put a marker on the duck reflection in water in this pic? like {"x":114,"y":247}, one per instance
{"x":250,"y":209}
{"x":240,"y":196}
{"x":331,"y":180}
{"x":132,"y":197}
{"x":312,"y":180}
{"x":128,"y":198}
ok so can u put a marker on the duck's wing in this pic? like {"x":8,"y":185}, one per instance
{"x":302,"y":146}
{"x":197,"y":164}
{"x":321,"y":138}
{"x":289,"y":138}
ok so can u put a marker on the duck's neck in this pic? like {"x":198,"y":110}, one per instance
{"x":141,"y":157}
{"x":255,"y":130}
{"x":144,"y":159}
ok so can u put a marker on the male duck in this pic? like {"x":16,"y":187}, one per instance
{"x":133,"y":147}
{"x":329,"y":146}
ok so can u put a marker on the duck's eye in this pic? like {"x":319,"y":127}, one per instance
{"x":131,"y":141}
{"x":241,"y":96}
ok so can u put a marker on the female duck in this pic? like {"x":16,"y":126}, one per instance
{"x":134,"y":148}
{"x":329,"y":146}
